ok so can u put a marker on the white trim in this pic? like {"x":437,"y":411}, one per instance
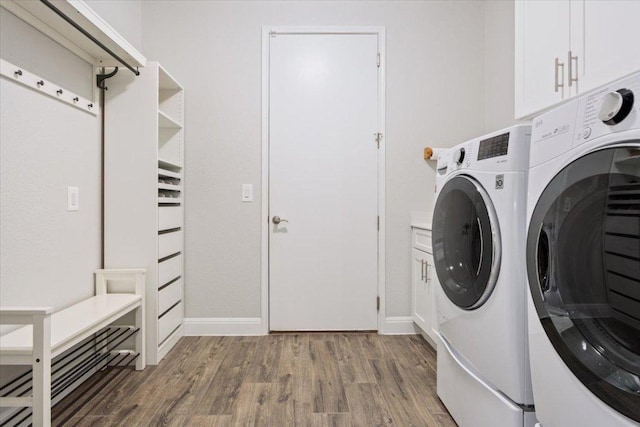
{"x":382,"y":253}
{"x":222,"y":326}
{"x":266,"y":31}
{"x":399,"y":326}
{"x":264,"y":213}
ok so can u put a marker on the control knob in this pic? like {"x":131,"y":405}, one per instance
{"x":616,"y":106}
{"x":458,"y":156}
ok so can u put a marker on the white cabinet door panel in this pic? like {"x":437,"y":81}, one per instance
{"x":612,"y":41}
{"x":542,"y":35}
{"x":420,"y":305}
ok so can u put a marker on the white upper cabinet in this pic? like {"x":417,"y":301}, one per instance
{"x":566,"y":47}
{"x":542,"y":44}
{"x":611,"y":41}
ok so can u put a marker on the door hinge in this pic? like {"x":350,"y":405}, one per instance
{"x":378,"y":60}
{"x":378,"y":303}
{"x":378,"y":137}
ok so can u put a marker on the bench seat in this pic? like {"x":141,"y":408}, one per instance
{"x":69,"y":326}
{"x":46,"y":334}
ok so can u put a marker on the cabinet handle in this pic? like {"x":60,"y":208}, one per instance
{"x":559,"y":65}
{"x":426,"y":273}
{"x":422,"y":275}
{"x":572,"y":58}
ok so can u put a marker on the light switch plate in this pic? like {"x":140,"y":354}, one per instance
{"x":73,"y":199}
{"x":247,"y":192}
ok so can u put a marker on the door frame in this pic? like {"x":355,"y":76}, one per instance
{"x":266,"y":33}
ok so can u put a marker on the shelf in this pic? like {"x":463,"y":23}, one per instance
{"x":44,"y":19}
{"x":164,"y":163}
{"x":166,"y":200}
{"x":164,"y":121}
{"x":166,"y":81}
{"x":169,"y":174}
{"x":172,"y":187}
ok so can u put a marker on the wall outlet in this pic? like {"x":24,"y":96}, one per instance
{"x":73,"y":199}
{"x":247,"y":192}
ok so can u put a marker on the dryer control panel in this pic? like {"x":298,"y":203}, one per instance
{"x":506,"y":150}
{"x":495,"y":146}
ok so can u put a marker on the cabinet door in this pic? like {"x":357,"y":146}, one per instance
{"x":611,"y":41}
{"x":542,"y":34}
{"x":432,"y":289}
{"x":420,"y":302}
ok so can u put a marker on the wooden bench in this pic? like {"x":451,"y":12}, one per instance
{"x":47,"y":334}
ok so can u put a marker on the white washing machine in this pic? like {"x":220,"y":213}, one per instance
{"x":478,"y":247}
{"x":583,"y":259}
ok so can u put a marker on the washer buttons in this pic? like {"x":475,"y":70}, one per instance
{"x":586,"y":133}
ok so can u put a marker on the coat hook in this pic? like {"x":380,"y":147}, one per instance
{"x":76,"y":99}
{"x":18,"y":73}
{"x":90,"y":106}
{"x":40,"y":83}
{"x":59,"y":91}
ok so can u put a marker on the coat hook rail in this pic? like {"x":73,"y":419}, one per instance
{"x":24,"y":77}
{"x":89,"y":36}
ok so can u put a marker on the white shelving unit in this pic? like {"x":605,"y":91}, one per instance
{"x":144,"y":144}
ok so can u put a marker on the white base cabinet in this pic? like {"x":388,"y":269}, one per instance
{"x":424,"y":283}
{"x":144,"y":178}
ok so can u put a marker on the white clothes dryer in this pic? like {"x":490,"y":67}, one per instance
{"x":478,"y":236}
{"x":583,"y":259}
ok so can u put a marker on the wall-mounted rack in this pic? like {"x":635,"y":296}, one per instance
{"x":24,"y":77}
{"x":74,"y":25}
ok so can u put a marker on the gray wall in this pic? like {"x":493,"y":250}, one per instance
{"x":435,"y":96}
{"x":47,"y":255}
{"x":124,"y":16}
{"x":499,"y":54}
{"x":449,"y":78}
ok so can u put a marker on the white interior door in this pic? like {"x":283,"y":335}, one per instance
{"x":323,"y":113}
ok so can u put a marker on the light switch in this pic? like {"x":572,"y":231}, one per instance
{"x":73,"y":198}
{"x":247,"y":192}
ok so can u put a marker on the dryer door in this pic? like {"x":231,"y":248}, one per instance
{"x":583,"y":265}
{"x":466,"y":242}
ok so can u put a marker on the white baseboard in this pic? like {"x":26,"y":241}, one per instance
{"x":399,"y":326}
{"x":253,"y":326}
{"x":222,"y":326}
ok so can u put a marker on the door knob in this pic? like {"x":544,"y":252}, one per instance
{"x":277,"y":220}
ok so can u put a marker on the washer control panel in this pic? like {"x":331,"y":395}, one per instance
{"x":606,"y":110}
{"x":612,"y":108}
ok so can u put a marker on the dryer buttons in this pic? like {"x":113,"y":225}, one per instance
{"x":499,"y":182}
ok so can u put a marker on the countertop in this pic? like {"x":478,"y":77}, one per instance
{"x":421,"y":225}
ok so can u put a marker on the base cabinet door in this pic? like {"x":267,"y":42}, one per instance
{"x":423,"y":293}
{"x":420,"y":291}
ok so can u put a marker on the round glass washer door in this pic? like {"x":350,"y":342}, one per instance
{"x":583,"y":265}
{"x":466,"y":242}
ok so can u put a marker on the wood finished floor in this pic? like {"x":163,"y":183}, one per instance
{"x":342,"y":379}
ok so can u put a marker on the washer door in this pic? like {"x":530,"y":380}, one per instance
{"x":466,"y":242}
{"x":583,"y":264}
